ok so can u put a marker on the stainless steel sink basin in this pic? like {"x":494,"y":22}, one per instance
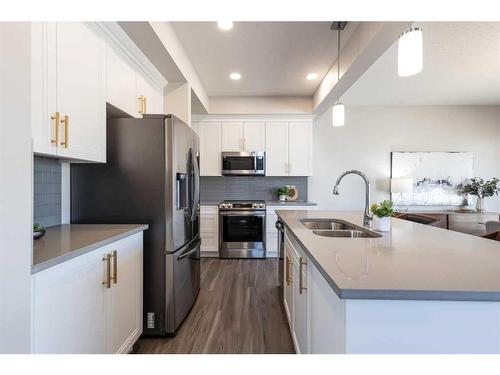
{"x":337,"y":228}
{"x":326,"y":224}
{"x":347,"y":233}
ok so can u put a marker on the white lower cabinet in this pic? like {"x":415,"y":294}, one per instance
{"x":209,"y":231}
{"x":315,"y":314}
{"x":296,"y":294}
{"x":75,"y":312}
{"x":271,"y":231}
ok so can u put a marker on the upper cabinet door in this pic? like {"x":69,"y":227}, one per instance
{"x":121,"y":81}
{"x":300,"y":149}
{"x":43,"y":87}
{"x":210,"y":148}
{"x":276,"y":148}
{"x":254,"y":136}
{"x":81,"y":96}
{"x":152,"y":96}
{"x":232,"y":136}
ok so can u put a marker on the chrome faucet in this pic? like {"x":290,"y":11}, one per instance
{"x":367,"y":216}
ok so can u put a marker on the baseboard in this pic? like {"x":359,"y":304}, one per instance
{"x":215,"y":254}
{"x":209,"y":254}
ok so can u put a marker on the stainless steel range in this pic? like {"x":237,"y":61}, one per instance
{"x":242,"y":229}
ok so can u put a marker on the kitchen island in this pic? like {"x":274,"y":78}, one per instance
{"x":416,"y":289}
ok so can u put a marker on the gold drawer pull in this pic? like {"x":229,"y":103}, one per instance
{"x":289,"y":279}
{"x":114,"y":255}
{"x":65,"y":121}
{"x":107,"y":259}
{"x":302,"y":263}
{"x":56,"y":116}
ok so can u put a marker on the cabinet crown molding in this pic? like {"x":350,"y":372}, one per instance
{"x":120,"y":39}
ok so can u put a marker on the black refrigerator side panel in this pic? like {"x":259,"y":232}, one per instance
{"x":130,"y":188}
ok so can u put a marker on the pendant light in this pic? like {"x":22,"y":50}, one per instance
{"x":410,"y":52}
{"x":338,"y":118}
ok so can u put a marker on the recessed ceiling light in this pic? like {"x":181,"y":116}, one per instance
{"x":311,"y":76}
{"x":235,"y":76}
{"x":225,"y":25}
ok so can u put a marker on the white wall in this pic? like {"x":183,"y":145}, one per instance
{"x":371,"y":133}
{"x":16,"y":184}
{"x":257,"y":105}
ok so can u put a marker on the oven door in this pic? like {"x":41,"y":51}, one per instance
{"x":242,"y":234}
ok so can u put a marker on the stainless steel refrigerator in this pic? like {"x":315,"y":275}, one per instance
{"x":151,"y":176}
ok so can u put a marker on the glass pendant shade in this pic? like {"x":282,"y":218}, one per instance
{"x":410,"y":52}
{"x":338,"y":115}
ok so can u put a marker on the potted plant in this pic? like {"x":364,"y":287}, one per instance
{"x":382,"y":213}
{"x":282,"y":193}
{"x":481,"y":189}
{"x":38,"y":231}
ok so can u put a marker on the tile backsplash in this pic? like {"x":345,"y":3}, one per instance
{"x":47,"y":191}
{"x":243,"y":187}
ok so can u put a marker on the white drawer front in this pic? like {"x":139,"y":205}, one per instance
{"x":209,"y":243}
{"x":270,"y":223}
{"x":272,"y":242}
{"x":209,"y":210}
{"x":209,"y":223}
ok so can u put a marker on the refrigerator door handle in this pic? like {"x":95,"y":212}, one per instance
{"x":196,"y":199}
{"x":189,"y":252}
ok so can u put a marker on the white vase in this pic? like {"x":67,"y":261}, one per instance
{"x":381,"y":224}
{"x":282,"y":197}
{"x":480,"y":205}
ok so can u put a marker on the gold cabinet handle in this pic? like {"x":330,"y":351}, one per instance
{"x":302,"y":263}
{"x":56,"y":116}
{"x":65,"y":121}
{"x":141,"y":104}
{"x":289,"y":279}
{"x":114,"y":255}
{"x":107,"y":281}
{"x":144,"y":102}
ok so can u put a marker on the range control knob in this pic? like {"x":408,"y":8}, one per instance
{"x":262,"y":205}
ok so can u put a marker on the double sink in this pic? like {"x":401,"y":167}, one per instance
{"x":337,"y":228}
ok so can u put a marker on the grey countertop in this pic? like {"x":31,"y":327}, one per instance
{"x":64,"y":242}
{"x":447,"y":212}
{"x":269,"y":203}
{"x":412,"y":262}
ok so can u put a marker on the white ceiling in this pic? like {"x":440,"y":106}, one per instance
{"x":461,"y":67}
{"x":272,"y":57}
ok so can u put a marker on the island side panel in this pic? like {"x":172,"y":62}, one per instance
{"x":414,"y":327}
{"x":326,"y":315}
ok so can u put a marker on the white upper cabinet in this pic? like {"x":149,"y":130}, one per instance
{"x":76,"y":67}
{"x":254,"y":136}
{"x":210,"y":148}
{"x":81,"y":91}
{"x":289,"y":148}
{"x":43,"y":87}
{"x":68,"y":91}
{"x":151,"y":96}
{"x":277,"y":148}
{"x":128,"y":88}
{"x":232,"y":136}
{"x":300,"y":149}
{"x":243,"y":136}
{"x":121,"y":81}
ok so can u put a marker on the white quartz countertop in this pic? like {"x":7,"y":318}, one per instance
{"x":412,"y":262}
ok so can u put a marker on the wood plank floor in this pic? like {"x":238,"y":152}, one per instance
{"x":237,"y":311}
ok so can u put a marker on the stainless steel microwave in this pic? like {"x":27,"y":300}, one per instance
{"x":244,"y":163}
